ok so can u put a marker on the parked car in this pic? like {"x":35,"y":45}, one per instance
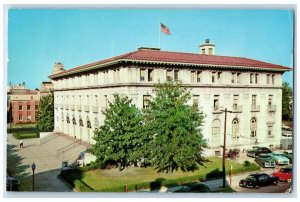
{"x":265,"y":160}
{"x":12,"y":183}
{"x":289,"y":155}
{"x":279,"y":158}
{"x":258,"y":150}
{"x":258,"y":180}
{"x":194,"y":188}
{"x":284,"y":174}
{"x":285,"y":127}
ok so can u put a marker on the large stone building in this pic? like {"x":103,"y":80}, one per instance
{"x":249,"y":88}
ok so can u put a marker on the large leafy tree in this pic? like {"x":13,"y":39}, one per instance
{"x":45,"y":120}
{"x":174,"y":126}
{"x":287,"y":94}
{"x":119,"y":140}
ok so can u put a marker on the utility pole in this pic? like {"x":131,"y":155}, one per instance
{"x":224,"y":149}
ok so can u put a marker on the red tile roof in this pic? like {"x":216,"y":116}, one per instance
{"x":153,"y":55}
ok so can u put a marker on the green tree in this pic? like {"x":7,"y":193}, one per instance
{"x":287,"y":94}
{"x":174,"y":126}
{"x":119,"y":140}
{"x":45,"y":120}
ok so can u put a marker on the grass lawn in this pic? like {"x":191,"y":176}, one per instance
{"x":103,"y":179}
{"x":24,"y":131}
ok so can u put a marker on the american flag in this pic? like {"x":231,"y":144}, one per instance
{"x":165,"y":29}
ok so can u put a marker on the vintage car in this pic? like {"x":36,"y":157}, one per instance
{"x":284,"y":174}
{"x":193,"y":188}
{"x":279,"y":158}
{"x":265,"y":160}
{"x":289,"y":155}
{"x":258,"y":150}
{"x":258,"y":180}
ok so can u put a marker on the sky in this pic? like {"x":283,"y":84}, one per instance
{"x":37,"y":38}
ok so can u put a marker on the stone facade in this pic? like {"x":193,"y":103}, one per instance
{"x":252,"y":93}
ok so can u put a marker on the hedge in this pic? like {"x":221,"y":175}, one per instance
{"x":72,"y":176}
{"x":19,"y":136}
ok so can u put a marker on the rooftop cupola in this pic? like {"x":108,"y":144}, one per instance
{"x":58,"y":67}
{"x":207,"y":48}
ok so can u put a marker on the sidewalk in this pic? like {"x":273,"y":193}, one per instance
{"x":47,"y":165}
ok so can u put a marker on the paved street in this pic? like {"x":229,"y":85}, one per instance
{"x":47,"y":165}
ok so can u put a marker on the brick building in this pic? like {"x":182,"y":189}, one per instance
{"x":22,"y":104}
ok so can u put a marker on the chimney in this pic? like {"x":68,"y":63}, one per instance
{"x":207,"y":48}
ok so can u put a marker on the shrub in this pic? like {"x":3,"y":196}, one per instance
{"x":247,"y":163}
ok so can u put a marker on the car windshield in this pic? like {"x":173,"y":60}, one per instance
{"x":251,"y":177}
{"x":264,"y":156}
{"x":285,"y":170}
{"x":279,"y":155}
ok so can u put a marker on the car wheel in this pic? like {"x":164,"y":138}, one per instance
{"x":256,"y":187}
{"x":275,"y":182}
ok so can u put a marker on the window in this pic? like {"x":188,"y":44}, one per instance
{"x":253,"y":127}
{"x":256,"y":78}
{"x":28,"y":107}
{"x":196,"y":101}
{"x":213,"y":77}
{"x":146,"y":99}
{"x":95,"y":78}
{"x":96,"y":123}
{"x":270,"y":129}
{"x":273,"y":79}
{"x":20,"y":118}
{"x":28,"y":118}
{"x":210,"y":51}
{"x":96,"y":100}
{"x":198,"y":77}
{"x":216,"y":132}
{"x":176,"y":75}
{"x":20,"y":107}
{"x":251,"y":78}
{"x":232,"y":77}
{"x":235,"y":102}
{"x":268,"y":78}
{"x":87,"y":100}
{"x":238,"y":78}
{"x":142,"y":74}
{"x":253,"y":100}
{"x":216,"y":102}
{"x":169,"y":75}
{"x":203,"y":51}
{"x":31,"y":97}
{"x":150,"y":74}
{"x":270,"y":98}
{"x":235,"y":128}
{"x":105,"y":101}
{"x":36,"y":107}
{"x":193,"y":73}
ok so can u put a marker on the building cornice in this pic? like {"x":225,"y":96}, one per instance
{"x":181,"y":64}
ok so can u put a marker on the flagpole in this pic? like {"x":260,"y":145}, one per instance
{"x":158,"y":34}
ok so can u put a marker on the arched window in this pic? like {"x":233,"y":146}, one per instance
{"x":253,"y":127}
{"x":62,"y":117}
{"x":88,"y":122}
{"x":216,"y":131}
{"x":96,"y":123}
{"x":73,"y":120}
{"x":68,"y":118}
{"x":80,"y":121}
{"x":235,"y":128}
